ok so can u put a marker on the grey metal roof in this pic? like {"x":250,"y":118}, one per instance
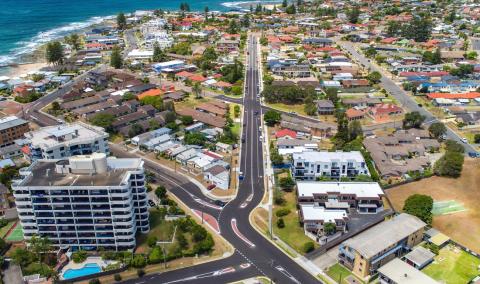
{"x":378,"y":238}
{"x":11,"y":121}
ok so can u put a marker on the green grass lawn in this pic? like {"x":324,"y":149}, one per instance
{"x":16,"y":235}
{"x":4,"y":229}
{"x":299,"y":109}
{"x":292,"y":233}
{"x":453,"y":265}
{"x":338,"y":271}
{"x":236,"y":129}
{"x":160,"y":228}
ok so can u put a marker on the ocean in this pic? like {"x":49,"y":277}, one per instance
{"x":27,"y":24}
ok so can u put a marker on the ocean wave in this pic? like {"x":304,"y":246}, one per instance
{"x":26,"y":47}
{"x":242,"y":4}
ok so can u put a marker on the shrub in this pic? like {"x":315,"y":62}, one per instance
{"x":94,"y":281}
{"x":138,"y":261}
{"x":79,"y":256}
{"x":151,"y":241}
{"x":280,"y":223}
{"x":117,"y":277}
{"x":308,"y":247}
{"x":287,"y":183}
{"x":282,"y":212}
{"x":140,"y":272}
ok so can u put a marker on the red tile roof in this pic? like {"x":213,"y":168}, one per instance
{"x":286,"y":132}
{"x":150,"y":93}
{"x":352,"y":113}
{"x":471,"y":95}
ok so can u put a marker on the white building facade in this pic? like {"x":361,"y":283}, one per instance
{"x":62,"y":141}
{"x":84,"y":202}
{"x":310,"y":165}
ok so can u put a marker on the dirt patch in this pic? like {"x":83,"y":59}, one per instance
{"x":10,"y":107}
{"x":463,"y":227}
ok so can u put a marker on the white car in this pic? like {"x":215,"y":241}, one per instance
{"x":464,"y":140}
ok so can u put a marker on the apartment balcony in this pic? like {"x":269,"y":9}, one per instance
{"x":22,"y":203}
{"x":100,"y":207}
{"x":63,"y":214}
{"x":65,"y":222}
{"x":83,"y":215}
{"x":43,"y":214}
{"x":30,"y":231}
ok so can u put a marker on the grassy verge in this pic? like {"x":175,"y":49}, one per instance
{"x":339,"y":273}
{"x":453,"y":265}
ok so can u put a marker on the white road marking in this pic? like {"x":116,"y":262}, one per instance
{"x":237,"y":232}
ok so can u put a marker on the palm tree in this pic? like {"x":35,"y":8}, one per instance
{"x":197,"y":90}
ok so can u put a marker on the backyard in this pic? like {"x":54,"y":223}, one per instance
{"x":453,"y":265}
{"x":463,"y":193}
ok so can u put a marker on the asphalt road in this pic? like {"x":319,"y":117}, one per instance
{"x":402,"y":97}
{"x":253,"y":249}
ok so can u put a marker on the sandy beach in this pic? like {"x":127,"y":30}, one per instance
{"x":23,"y":69}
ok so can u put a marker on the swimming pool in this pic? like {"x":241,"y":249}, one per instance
{"x":87,"y":269}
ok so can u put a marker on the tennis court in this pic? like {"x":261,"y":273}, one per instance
{"x":447,"y":207}
{"x":16,"y":235}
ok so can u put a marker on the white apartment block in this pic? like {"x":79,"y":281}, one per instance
{"x":310,"y":165}
{"x":84,"y":202}
{"x":61,"y":141}
{"x":332,"y":202}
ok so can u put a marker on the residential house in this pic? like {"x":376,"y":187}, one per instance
{"x":325,"y":107}
{"x":290,"y":146}
{"x":218,"y":175}
{"x":398,"y":272}
{"x":12,"y":128}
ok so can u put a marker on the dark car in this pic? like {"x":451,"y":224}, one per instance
{"x":473,"y":154}
{"x":255,"y":112}
{"x":220,"y":203}
{"x":151,"y":203}
{"x":243,"y":140}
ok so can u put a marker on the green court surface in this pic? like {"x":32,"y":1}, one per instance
{"x":16,"y":235}
{"x":447,"y":207}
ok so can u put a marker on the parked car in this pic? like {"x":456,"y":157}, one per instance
{"x":210,"y":187}
{"x":151,"y":203}
{"x":220,"y":203}
{"x":473,"y":154}
{"x":464,"y":140}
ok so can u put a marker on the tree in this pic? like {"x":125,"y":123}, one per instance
{"x":22,"y":257}
{"x":310,"y":107}
{"x":284,"y":4}
{"x":432,"y":57}
{"x":206,"y":10}
{"x":374,"y":77}
{"x":472,"y":55}
{"x":195,"y":138}
{"x":236,"y":111}
{"x":39,"y":246}
{"x":197,"y":90}
{"x":291,"y":10}
{"x":140,"y":272}
{"x":454,"y":146}
{"x":158,"y":54}
{"x":462,"y":71}
{"x":287,"y":183}
{"x":419,"y":205}
{"x":116,"y":60}
{"x":437,"y":129}
{"x":272,"y":117}
{"x":449,"y":165}
{"x":275,"y":157}
{"x":413,"y":120}
{"x":79,"y":256}
{"x":393,"y":28}
{"x":134,"y":130}
{"x":152,"y":241}
{"x":476,"y":138}
{"x":117,"y":277}
{"x":156,"y":102}
{"x":54,"y":53}
{"x":354,"y":130}
{"x":353,"y":15}
{"x":161,"y":192}
{"x":74,"y":41}
{"x":104,"y":120}
{"x":121,"y":21}
{"x":332,"y":94}
{"x":186,"y":120}
{"x":232,"y":27}
{"x":329,"y":229}
{"x":232,"y":72}
{"x":138,"y":261}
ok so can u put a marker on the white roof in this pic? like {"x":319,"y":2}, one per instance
{"x":360,"y":189}
{"x":312,"y":212}
{"x":140,"y":53}
{"x":403,"y":273}
{"x":314,"y":156}
{"x":169,"y":63}
{"x":44,"y":137}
